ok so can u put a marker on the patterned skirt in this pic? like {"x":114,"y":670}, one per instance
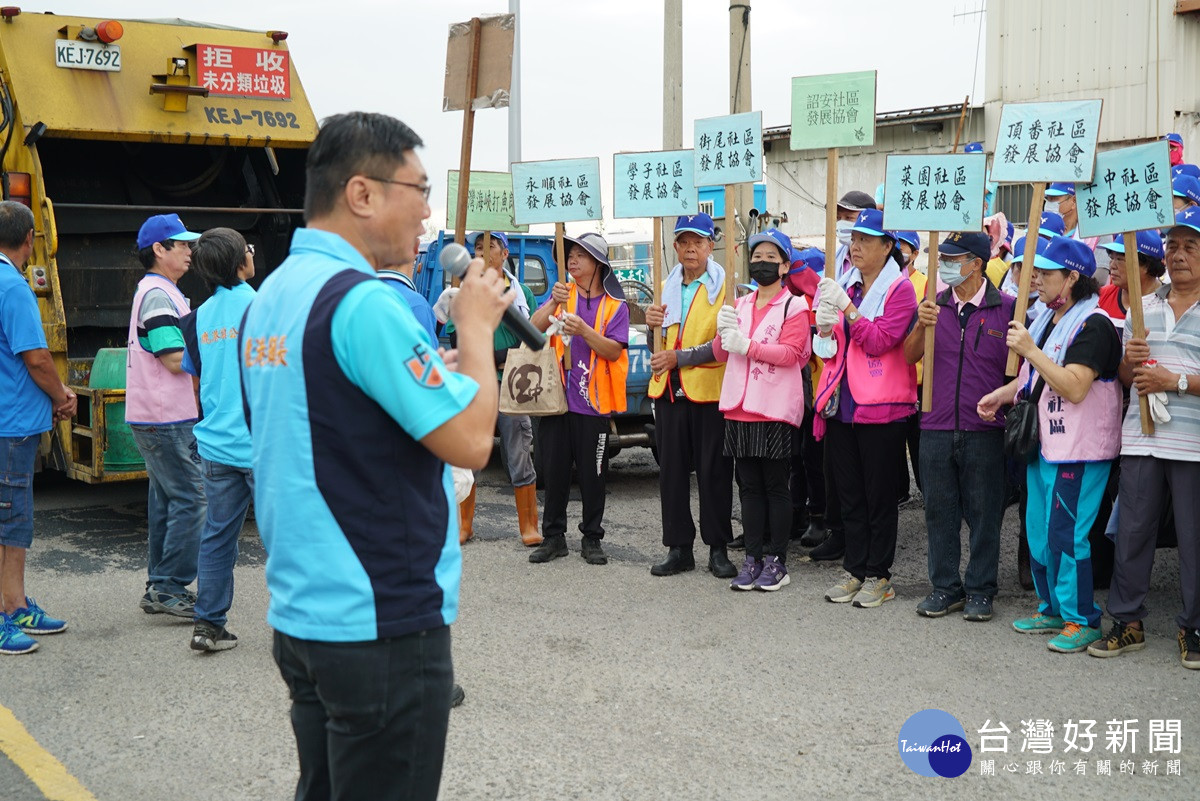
{"x":767,"y":440}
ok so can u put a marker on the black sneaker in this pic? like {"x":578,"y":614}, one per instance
{"x":592,"y":553}
{"x":552,"y":547}
{"x":940,"y":603}
{"x":211,"y":637}
{"x":833,"y":548}
{"x":162,"y":603}
{"x":738,"y":543}
{"x":457,"y":696}
{"x":678,"y":561}
{"x":978,"y":608}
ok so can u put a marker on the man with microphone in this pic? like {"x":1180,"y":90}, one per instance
{"x":516,"y":431}
{"x":353,"y":417}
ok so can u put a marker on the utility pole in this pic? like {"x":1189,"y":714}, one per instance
{"x":514,"y":96}
{"x":739,"y":101}
{"x":672,"y":115}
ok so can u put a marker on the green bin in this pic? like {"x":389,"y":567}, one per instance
{"x":108,"y":372}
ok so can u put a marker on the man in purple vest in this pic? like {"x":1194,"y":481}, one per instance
{"x":160,"y":407}
{"x":962,"y":456}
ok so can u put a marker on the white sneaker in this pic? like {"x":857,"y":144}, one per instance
{"x":873,"y":593}
{"x":844,"y":592}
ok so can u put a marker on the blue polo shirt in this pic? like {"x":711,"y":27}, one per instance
{"x":25,"y":410}
{"x":341,"y":383}
{"x":210,"y":336}
{"x":417,"y":303}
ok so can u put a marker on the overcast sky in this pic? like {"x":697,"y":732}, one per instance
{"x":591,"y":70}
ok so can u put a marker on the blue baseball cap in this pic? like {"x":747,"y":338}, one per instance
{"x":498,"y":236}
{"x":1060,"y":189}
{"x":1186,"y":186}
{"x":1009,"y":234}
{"x":967,"y":243}
{"x":1174,"y":137}
{"x":870,"y":222}
{"x":1149,"y":243}
{"x":974,"y":147}
{"x":1185,"y":169}
{"x":810,"y":259}
{"x":695,"y":223}
{"x":1189,"y":218}
{"x":1051,"y":224}
{"x":1019,"y":249}
{"x":911,"y":237}
{"x":777,"y":238}
{"x":162,"y":227}
{"x":1065,"y":253}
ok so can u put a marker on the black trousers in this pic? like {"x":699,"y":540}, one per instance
{"x":580,"y":440}
{"x":808,"y":469}
{"x":766,"y":505}
{"x":912,"y":435}
{"x":833,"y":505}
{"x":370,"y":718}
{"x":863,"y":458}
{"x":691,"y":436}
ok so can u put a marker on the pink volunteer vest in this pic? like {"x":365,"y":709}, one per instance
{"x":774,"y":392}
{"x":1089,"y":431}
{"x":886,"y":378}
{"x":153,"y":394}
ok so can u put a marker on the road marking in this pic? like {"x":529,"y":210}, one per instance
{"x":37,"y":763}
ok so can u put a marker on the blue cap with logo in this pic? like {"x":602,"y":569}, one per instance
{"x":810,"y":259}
{"x":1189,"y":218}
{"x":498,"y":236}
{"x":911,"y":237}
{"x":1175,"y":138}
{"x":967,"y":243}
{"x":1009,"y":234}
{"x":1019,"y":249}
{"x":1185,"y":169}
{"x":1149,"y":243}
{"x":870,"y":222}
{"x":777,"y":238}
{"x":1051,"y":224}
{"x":1186,"y":186}
{"x":162,"y":227}
{"x":974,"y":147}
{"x":1065,"y":253}
{"x":695,"y":223}
{"x":1060,"y":189}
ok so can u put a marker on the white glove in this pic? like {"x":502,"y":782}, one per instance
{"x":734,"y":341}
{"x":441,"y":309}
{"x":830,"y":291}
{"x":464,"y":479}
{"x":826,"y":316}
{"x":555,"y":329}
{"x":1158,"y":407}
{"x":726,"y":318}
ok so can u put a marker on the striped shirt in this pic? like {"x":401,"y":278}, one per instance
{"x":1176,"y":346}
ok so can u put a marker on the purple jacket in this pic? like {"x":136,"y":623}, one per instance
{"x":968,"y":361}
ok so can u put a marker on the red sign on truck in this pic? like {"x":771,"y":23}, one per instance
{"x":244,"y":71}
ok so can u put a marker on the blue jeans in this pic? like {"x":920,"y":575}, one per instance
{"x":370,"y":718}
{"x":228,"y":490}
{"x":962,"y":473}
{"x":175,"y":504}
{"x":17,"y":457}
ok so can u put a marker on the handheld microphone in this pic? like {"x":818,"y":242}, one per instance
{"x":455,"y":259}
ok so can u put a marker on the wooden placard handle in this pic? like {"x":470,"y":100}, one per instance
{"x":1031,"y":238}
{"x":931,"y":296}
{"x":656,"y":279}
{"x":1133,"y":279}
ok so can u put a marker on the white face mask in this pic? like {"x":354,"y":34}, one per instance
{"x":843,"y":231}
{"x":1052,"y":207}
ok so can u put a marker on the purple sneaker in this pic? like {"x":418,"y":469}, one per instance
{"x":773,"y":576}
{"x":747,"y":575}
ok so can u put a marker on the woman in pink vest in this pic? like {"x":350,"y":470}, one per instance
{"x":1072,"y":353}
{"x":766,"y":343}
{"x":866,"y":392}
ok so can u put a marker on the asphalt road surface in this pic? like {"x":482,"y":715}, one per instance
{"x":588,"y":682}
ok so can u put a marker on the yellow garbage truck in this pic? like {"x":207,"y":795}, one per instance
{"x":106,"y":122}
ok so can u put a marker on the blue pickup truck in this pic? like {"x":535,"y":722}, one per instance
{"x":531,"y":259}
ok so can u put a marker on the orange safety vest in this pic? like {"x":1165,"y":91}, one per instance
{"x":606,"y":386}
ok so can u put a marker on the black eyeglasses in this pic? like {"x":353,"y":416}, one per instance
{"x":424,"y":189}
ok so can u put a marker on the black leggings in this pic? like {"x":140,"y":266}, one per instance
{"x":766,"y":505}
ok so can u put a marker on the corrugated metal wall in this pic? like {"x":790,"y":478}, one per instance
{"x":1136,"y":55}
